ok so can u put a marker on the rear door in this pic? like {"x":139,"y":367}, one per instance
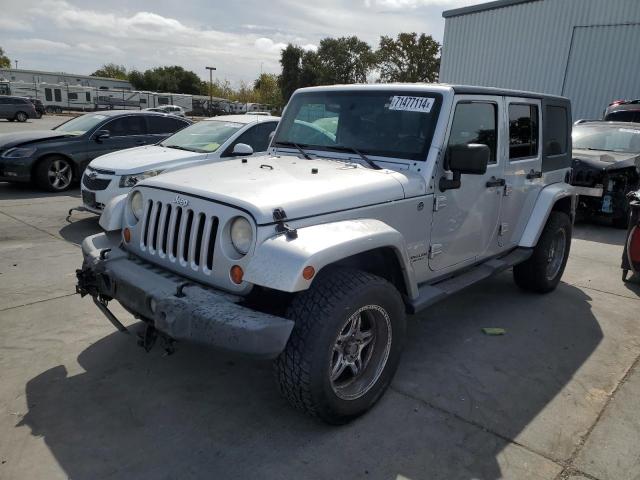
{"x":465,"y":220}
{"x":124,"y":132}
{"x":523,"y":167}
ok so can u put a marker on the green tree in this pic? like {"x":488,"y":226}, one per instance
{"x":290,"y":61}
{"x":408,"y":58}
{"x":267,"y":90}
{"x":345,"y":60}
{"x":111,"y":70}
{"x":4,"y":60}
{"x":166,"y":79}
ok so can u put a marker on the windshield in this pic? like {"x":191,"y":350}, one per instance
{"x":613,"y":139}
{"x":376,"y":123}
{"x":80,"y":125}
{"x":205,"y":136}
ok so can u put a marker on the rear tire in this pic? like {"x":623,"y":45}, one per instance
{"x":21,"y":117}
{"x":541,"y":273}
{"x":345,"y":346}
{"x":54,"y":174}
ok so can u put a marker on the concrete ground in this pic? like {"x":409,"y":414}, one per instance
{"x":47,"y":122}
{"x":554,"y":398}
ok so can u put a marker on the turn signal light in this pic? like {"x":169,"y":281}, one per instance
{"x":308,"y":272}
{"x":126,"y":233}
{"x":236,"y":274}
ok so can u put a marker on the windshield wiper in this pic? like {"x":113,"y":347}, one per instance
{"x":178,"y":147}
{"x":292,"y":144}
{"x":344,"y":148}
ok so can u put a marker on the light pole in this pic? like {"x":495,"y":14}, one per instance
{"x":211,"y":69}
{"x":16,"y":64}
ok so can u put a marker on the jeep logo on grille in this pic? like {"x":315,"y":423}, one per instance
{"x":182,"y":202}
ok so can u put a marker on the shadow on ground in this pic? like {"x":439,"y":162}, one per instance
{"x":599,"y":232}
{"x":26,"y":191}
{"x":77,"y":229}
{"x":203,"y":414}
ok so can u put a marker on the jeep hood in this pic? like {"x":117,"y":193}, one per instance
{"x":301,"y":187}
{"x":140,"y":159}
{"x":604,"y":160}
{"x":10,"y":140}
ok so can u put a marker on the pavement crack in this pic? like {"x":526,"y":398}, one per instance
{"x":569,"y":470}
{"x":38,"y":228}
{"x":37,"y":301}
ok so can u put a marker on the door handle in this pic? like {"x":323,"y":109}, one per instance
{"x":496,"y":182}
{"x":533,"y":174}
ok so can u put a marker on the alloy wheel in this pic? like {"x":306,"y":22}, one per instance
{"x":555,"y":257}
{"x":360,"y":352}
{"x":60,"y":174}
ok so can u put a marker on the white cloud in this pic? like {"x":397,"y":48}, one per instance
{"x":268,"y":45}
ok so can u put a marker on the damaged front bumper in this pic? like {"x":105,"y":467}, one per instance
{"x":176,"y":307}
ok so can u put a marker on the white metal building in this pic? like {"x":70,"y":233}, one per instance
{"x":587,"y":50}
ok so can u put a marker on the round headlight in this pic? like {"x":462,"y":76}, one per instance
{"x":137,"y":205}
{"x":241,"y":235}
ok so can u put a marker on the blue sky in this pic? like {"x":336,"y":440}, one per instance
{"x":238,"y":37}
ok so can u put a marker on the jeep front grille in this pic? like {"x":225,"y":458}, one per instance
{"x":181,"y":235}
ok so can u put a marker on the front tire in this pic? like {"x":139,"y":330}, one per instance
{"x":541,"y":273}
{"x":54,"y":174}
{"x":345,"y":346}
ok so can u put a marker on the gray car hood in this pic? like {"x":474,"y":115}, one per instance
{"x":9,"y":140}
{"x":605,"y":160}
{"x":301,"y":187}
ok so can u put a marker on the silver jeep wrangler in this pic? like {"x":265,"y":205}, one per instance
{"x":375,"y":201}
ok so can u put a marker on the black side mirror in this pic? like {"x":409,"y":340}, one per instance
{"x":102,"y":135}
{"x":469,"y":159}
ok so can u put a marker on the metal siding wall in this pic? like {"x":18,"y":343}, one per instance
{"x":526,"y":46}
{"x":604,"y":65}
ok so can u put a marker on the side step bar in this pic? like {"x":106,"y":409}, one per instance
{"x":430,"y":294}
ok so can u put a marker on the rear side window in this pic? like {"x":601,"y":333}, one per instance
{"x":523,"y":131}
{"x":256,"y":137}
{"x":475,"y":123}
{"x":557,"y":139}
{"x":126,"y":126}
{"x":623,"y":116}
{"x":163,"y":125}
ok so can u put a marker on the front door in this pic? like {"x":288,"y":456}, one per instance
{"x":124,"y":132}
{"x":465,"y":220}
{"x":522,"y":169}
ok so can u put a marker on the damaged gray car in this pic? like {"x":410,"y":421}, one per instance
{"x":606,"y":167}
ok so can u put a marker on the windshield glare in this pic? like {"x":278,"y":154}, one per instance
{"x":80,"y":125}
{"x":377,"y":123}
{"x":614,"y":139}
{"x":205,"y":136}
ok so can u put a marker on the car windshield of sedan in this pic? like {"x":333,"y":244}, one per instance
{"x":205,"y":136}
{"x":608,"y":138}
{"x":80,"y":125}
{"x":386,"y":123}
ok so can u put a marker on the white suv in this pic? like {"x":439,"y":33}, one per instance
{"x":216,"y":138}
{"x":376,"y":202}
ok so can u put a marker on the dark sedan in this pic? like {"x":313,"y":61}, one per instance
{"x":606,"y":167}
{"x":55,"y":159}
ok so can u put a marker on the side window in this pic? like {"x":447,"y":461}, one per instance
{"x":257,"y":137}
{"x":88,"y":96}
{"x":57,"y":93}
{"x":475,"y":123}
{"x":72,"y":96}
{"x":523,"y":131}
{"x":162,"y":125}
{"x":47,"y":94}
{"x":126,"y":126}
{"x":557,"y":139}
